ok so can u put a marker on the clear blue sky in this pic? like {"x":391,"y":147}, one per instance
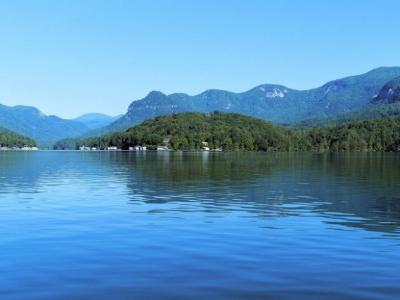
{"x":72,"y":57}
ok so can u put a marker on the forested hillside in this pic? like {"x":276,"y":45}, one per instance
{"x":234,"y":132}
{"x":370,"y":112}
{"x":367,"y":135}
{"x":11,"y":139}
{"x":188,"y":131}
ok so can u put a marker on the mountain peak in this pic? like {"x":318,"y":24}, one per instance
{"x":30,"y":121}
{"x":90,"y":116}
{"x":96,"y":120}
{"x":384,"y":69}
{"x":272,"y":90}
{"x":33,"y":111}
{"x":155,"y":94}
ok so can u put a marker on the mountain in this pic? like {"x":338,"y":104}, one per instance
{"x":270,"y":102}
{"x":96,"y":120}
{"x":11,"y":139}
{"x":31,"y":122}
{"x":390,"y":93}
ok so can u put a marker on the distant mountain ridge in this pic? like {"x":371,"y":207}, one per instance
{"x":31,"y":122}
{"x":275,"y":103}
{"x":96,"y":120}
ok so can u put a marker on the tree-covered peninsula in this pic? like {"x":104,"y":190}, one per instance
{"x":235,"y":132}
{"x":191,"y":131}
{"x":9,"y":139}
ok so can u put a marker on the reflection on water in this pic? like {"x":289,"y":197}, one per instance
{"x":192,"y":225}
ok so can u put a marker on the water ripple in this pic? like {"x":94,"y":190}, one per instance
{"x":234,"y":225}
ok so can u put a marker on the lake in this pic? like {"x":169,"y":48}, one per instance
{"x":120,"y":225}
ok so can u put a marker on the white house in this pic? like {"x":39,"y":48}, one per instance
{"x":138,"y":148}
{"x":162,"y":148}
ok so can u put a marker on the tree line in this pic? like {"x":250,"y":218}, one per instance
{"x":235,"y":132}
{"x":10,"y":139}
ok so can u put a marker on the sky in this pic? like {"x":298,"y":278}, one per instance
{"x":70,"y":57}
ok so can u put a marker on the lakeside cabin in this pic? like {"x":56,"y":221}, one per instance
{"x":110,"y":148}
{"x":205,"y":146}
{"x":162,"y":148}
{"x":85,"y":148}
{"x":138,"y":148}
{"x":25,"y":148}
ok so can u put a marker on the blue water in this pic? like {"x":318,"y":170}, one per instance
{"x":190,"y":226}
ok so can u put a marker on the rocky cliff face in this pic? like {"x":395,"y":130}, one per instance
{"x":390,"y":93}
